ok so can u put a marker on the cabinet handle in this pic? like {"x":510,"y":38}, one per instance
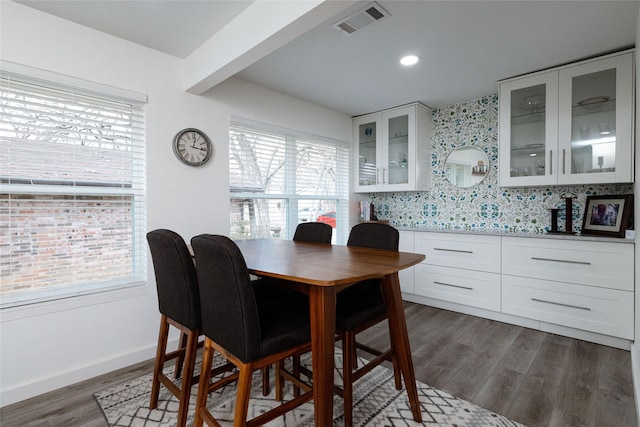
{"x":452,"y":250}
{"x":384,"y":178}
{"x":564,"y":161}
{"x":550,"y":162}
{"x":561,"y":304}
{"x":453,"y":286}
{"x":561,"y":260}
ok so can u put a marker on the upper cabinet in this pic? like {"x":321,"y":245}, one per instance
{"x":569,"y":125}
{"x":392,"y":150}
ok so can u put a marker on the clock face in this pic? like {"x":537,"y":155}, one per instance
{"x":192,"y":147}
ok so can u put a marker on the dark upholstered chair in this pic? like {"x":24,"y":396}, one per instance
{"x":179,"y":304}
{"x":361,"y":306}
{"x":318,"y":232}
{"x":248,"y":331}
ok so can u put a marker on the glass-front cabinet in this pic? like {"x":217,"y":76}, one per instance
{"x":570,"y":125}
{"x":393,"y":150}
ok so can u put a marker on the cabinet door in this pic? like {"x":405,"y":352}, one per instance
{"x":595,"y":131}
{"x":406,"y":276}
{"x":399,"y":142}
{"x":367,"y":134}
{"x":528,"y":130}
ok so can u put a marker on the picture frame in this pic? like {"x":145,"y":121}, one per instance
{"x":607,"y":215}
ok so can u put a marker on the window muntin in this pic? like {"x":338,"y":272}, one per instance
{"x":72,"y":197}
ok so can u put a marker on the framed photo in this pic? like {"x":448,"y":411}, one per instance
{"x":607,"y":215}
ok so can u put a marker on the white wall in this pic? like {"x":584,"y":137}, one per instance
{"x":48,"y":346}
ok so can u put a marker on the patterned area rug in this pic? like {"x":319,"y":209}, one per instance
{"x":377,"y":403}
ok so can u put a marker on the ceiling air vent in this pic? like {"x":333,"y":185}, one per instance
{"x":371,"y":13}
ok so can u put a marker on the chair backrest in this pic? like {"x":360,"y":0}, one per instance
{"x":176,"y":281}
{"x":317,"y":232}
{"x":374,"y":235}
{"x":229,"y":308}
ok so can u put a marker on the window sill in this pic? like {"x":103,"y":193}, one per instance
{"x":66,"y":304}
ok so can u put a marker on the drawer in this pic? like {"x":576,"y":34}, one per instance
{"x":473,"y":288}
{"x":603,"y":264}
{"x":605,"y":311}
{"x":471,"y":252}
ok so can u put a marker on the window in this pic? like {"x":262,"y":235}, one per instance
{"x":281,"y":178}
{"x":72,"y":203}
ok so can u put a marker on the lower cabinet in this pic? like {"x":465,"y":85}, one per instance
{"x":459,"y":268}
{"x":581,"y":284}
{"x":594,"y":309}
{"x":578,"y":287}
{"x":406,"y":276}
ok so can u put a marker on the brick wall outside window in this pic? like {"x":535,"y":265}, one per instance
{"x":74,"y":240}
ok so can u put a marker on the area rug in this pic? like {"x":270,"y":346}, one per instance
{"x":377,"y":404}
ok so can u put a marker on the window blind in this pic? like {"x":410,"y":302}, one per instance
{"x":279,"y":178}
{"x":72,"y":196}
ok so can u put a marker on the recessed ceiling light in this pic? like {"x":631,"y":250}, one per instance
{"x":409,"y":60}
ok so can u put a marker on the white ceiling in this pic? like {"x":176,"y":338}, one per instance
{"x":465,"y":46}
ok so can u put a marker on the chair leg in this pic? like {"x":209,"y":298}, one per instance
{"x":163,"y":335}
{"x":203,"y":387}
{"x":396,"y":372}
{"x":266,"y":381}
{"x":243,"y":394}
{"x":187,"y":379}
{"x":180,"y":360}
{"x":296,"y":373}
{"x":396,"y":366}
{"x":349,"y":349}
{"x":279,"y":381}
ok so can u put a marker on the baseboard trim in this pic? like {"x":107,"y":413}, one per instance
{"x":72,"y":376}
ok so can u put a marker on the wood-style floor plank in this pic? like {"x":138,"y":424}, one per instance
{"x":533,"y":377}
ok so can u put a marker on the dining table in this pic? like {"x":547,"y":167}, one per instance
{"x":322,"y":271}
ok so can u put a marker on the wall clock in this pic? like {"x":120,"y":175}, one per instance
{"x":192,"y":147}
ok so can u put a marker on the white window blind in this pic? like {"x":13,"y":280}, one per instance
{"x":72,"y":197}
{"x":279,"y":178}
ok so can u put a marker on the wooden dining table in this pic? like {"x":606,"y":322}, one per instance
{"x":321,"y":271}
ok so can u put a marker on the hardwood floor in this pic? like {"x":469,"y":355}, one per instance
{"x":535,"y":378}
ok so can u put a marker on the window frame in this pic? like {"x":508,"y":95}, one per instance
{"x":289,"y":195}
{"x":43,"y":300}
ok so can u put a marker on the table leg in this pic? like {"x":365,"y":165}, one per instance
{"x":322,"y":300}
{"x":400,"y":337}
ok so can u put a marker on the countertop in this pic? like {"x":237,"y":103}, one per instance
{"x":583,"y":237}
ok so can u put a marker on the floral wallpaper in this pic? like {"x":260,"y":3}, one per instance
{"x":485,"y":206}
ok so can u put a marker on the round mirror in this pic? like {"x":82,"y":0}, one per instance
{"x":466,"y":166}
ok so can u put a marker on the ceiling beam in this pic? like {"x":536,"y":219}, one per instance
{"x":259,"y":30}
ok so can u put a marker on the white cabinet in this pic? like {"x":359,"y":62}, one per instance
{"x":569,"y":125}
{"x":392,"y":150}
{"x":406,"y":276}
{"x":578,"y":287}
{"x":579,"y":284}
{"x":459,"y":268}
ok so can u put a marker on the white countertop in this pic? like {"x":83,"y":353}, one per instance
{"x":563,"y":236}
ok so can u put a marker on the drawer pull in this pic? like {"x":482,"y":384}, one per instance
{"x":453,"y":286}
{"x":561,"y":260}
{"x":452,"y":250}
{"x":563,"y":305}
